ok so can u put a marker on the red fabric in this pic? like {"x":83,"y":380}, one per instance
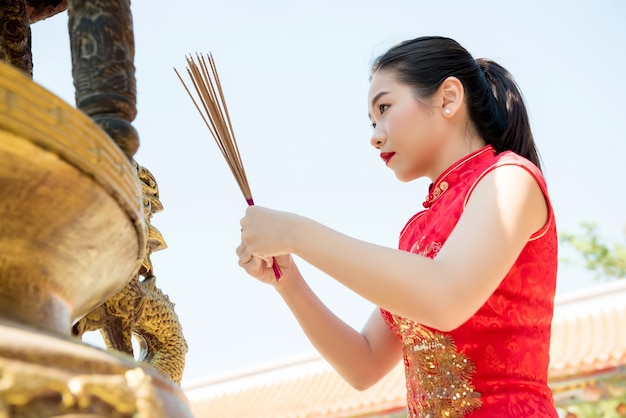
{"x":497,"y":361}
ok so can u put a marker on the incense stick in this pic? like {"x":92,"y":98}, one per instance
{"x":214,"y":113}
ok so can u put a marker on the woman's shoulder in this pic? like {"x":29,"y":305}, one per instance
{"x":510,"y":158}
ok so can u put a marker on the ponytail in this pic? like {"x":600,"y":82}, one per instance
{"x":495,"y":103}
{"x":503,"y":120}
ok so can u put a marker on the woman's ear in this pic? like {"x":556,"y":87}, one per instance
{"x":452,"y":96}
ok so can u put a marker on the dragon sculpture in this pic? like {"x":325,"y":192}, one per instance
{"x":140,"y":309}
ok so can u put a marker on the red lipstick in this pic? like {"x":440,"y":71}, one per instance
{"x":386,"y":156}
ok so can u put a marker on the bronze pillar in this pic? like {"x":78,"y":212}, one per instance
{"x":103,"y":49}
{"x":15,"y":36}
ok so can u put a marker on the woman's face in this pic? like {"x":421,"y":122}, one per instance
{"x":406,"y":130}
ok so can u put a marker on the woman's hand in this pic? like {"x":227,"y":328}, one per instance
{"x":261,"y":268}
{"x":266,"y":232}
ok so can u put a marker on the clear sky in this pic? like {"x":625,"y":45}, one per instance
{"x":295,"y":76}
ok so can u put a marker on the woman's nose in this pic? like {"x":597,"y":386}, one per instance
{"x":378,"y":139}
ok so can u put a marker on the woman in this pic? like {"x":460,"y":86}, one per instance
{"x":466,"y":300}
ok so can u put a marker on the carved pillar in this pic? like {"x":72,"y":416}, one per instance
{"x":102,"y":46}
{"x":15,"y":36}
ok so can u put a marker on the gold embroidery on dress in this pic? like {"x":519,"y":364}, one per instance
{"x":438,"y":378}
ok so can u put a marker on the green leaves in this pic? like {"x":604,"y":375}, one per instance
{"x":608,"y":262}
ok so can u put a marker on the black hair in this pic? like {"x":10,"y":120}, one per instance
{"x":494,"y":101}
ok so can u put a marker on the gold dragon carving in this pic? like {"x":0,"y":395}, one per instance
{"x":141,"y":309}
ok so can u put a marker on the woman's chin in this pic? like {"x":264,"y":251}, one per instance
{"x":403,"y":177}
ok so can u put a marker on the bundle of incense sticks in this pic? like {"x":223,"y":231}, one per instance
{"x":214,"y":113}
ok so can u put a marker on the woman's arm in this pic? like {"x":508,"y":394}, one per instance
{"x":361,"y":359}
{"x":505,"y":209}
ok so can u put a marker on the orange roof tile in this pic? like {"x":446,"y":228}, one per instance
{"x":587,"y":337}
{"x":303,"y":387}
{"x":589,"y":331}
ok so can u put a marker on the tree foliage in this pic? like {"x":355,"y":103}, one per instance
{"x":608,"y":408}
{"x":607,"y":261}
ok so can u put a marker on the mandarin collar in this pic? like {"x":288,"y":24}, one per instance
{"x":445,"y":181}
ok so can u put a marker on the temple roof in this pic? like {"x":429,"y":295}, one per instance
{"x":588,"y":340}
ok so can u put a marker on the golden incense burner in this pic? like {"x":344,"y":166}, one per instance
{"x":76,"y":233}
{"x":72,"y":233}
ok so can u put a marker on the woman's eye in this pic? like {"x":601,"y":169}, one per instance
{"x":381,"y":109}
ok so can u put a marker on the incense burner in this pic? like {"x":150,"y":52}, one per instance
{"x":75,"y":231}
{"x":72,"y":234}
{"x":72,"y":229}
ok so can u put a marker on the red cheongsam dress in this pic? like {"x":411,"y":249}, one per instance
{"x":496,"y":363}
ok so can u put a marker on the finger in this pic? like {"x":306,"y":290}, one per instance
{"x":245,"y":259}
{"x":240,"y":249}
{"x":269,"y":261}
